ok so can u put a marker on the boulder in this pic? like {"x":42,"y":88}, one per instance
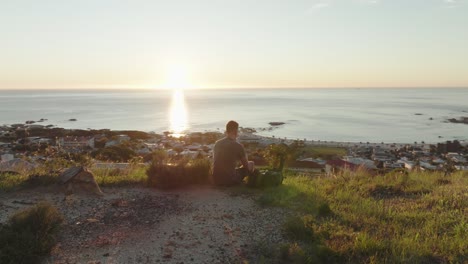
{"x":79,"y":179}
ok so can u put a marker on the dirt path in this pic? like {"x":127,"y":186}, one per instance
{"x":139,"y":225}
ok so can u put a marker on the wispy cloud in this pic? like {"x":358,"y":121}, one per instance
{"x":321,"y":4}
{"x":371,"y":2}
{"x":452,"y":3}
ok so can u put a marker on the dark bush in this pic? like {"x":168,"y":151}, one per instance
{"x":324,"y":210}
{"x":29,"y":234}
{"x":166,"y":175}
{"x":182,"y":173}
{"x":265,"y":178}
{"x":298,"y":228}
{"x":115,"y":153}
{"x":199,"y":171}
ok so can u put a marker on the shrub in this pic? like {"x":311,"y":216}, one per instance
{"x":324,"y":210}
{"x":199,"y":171}
{"x":130,"y":176}
{"x":115,"y":153}
{"x":293,"y":253}
{"x":182,"y":173}
{"x":299,"y":228}
{"x":166,"y":175}
{"x":313,"y":253}
{"x":29,"y":234}
{"x":265,"y":178}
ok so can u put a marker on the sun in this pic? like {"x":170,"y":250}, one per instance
{"x":177,"y":77}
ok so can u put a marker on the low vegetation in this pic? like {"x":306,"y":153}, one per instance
{"x":117,"y":153}
{"x":29,"y":235}
{"x":48,"y":173}
{"x":358,"y":218}
{"x":181,"y":173}
{"x":323,"y":152}
{"x":352,"y":217}
{"x":133,"y":175}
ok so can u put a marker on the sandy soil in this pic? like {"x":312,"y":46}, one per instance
{"x":140,"y":225}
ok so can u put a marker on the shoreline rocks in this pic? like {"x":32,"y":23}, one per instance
{"x":462,"y":120}
{"x":276,"y":123}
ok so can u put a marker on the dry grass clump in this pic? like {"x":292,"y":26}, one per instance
{"x":162,"y":174}
{"x":29,"y":235}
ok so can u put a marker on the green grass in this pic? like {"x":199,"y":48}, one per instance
{"x":324,"y":152}
{"x":134,"y":175}
{"x":10,"y":182}
{"x":358,"y":218}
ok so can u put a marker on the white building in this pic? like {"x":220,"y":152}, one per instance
{"x":360,"y":161}
{"x":407,"y":163}
{"x":427,"y":166}
{"x":76,"y":142}
{"x":391,"y":165}
{"x":190,"y":154}
{"x":455,"y":157}
{"x":318,"y":161}
{"x":17,"y":165}
{"x":171,"y":152}
{"x":110,"y":165}
{"x":194,"y":147}
{"x":438,"y":161}
{"x":122,"y":138}
{"x":7,"y":157}
{"x":35,"y":126}
{"x":462,"y":168}
{"x":111,"y":143}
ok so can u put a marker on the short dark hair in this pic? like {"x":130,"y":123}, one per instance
{"x":232,"y":126}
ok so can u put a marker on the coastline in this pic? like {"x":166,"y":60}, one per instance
{"x":246,"y":134}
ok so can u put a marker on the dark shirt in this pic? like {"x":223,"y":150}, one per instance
{"x":226,"y":153}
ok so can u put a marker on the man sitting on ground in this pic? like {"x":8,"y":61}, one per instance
{"x":227,"y":152}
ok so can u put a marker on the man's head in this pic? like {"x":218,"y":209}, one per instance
{"x":232,"y":129}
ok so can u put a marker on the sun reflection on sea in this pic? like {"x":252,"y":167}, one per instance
{"x":178,"y":114}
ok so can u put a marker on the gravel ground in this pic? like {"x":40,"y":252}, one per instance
{"x":141,"y":225}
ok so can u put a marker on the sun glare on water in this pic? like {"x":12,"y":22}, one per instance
{"x":177,"y":81}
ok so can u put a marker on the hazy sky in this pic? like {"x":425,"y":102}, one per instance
{"x":233,"y":43}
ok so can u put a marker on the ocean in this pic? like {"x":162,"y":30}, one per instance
{"x":352,"y":115}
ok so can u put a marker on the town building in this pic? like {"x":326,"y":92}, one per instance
{"x":76,"y":142}
{"x":306,"y":166}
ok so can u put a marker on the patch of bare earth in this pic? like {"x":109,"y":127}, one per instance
{"x":139,"y":225}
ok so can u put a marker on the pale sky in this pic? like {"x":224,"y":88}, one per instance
{"x":233,"y":43}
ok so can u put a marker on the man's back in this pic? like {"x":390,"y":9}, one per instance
{"x":227,"y":152}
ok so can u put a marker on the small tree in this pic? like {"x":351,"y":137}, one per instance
{"x":276,"y":155}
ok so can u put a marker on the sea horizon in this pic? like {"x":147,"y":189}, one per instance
{"x":329,"y":114}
